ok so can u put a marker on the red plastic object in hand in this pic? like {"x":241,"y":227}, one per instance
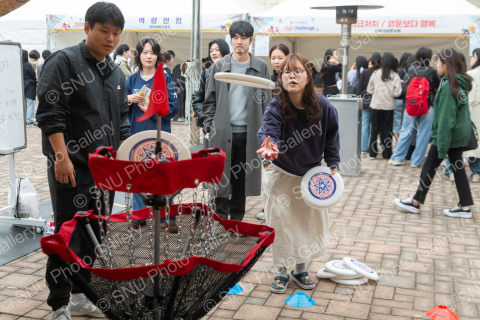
{"x":442,"y":313}
{"x":155,"y":177}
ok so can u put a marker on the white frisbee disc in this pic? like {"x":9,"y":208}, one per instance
{"x":319,"y":189}
{"x":340,"y":268}
{"x":325,"y":274}
{"x":360,"y":268}
{"x":354,"y":282}
{"x":244,"y":80}
{"x":141,"y":147}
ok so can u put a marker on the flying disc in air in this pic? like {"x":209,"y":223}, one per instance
{"x":340,"y":268}
{"x":354,"y":282}
{"x":141,"y":147}
{"x":360,"y":268}
{"x":244,"y":80}
{"x":319,"y":189}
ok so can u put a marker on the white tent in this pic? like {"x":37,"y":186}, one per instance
{"x":400,"y":26}
{"x":28,"y":24}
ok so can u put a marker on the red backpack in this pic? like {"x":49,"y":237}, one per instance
{"x":417,"y":96}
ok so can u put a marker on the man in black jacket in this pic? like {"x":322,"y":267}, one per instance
{"x":82,"y":105}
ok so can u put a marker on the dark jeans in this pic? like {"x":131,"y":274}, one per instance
{"x":382,"y":122}
{"x":430,"y":168}
{"x":237,"y":181}
{"x":330,"y":91}
{"x":66,"y":201}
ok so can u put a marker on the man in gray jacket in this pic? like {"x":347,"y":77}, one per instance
{"x":233,"y":116}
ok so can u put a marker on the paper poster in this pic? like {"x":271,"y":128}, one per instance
{"x":262,"y":44}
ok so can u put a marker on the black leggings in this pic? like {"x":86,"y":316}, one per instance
{"x":430,"y":168}
{"x":382,"y":123}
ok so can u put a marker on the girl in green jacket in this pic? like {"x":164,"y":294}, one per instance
{"x":451,"y":130}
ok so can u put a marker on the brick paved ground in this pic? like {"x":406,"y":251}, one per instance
{"x":424,"y":260}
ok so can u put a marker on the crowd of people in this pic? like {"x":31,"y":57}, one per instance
{"x":247,"y":122}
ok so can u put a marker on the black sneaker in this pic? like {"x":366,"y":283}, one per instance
{"x":458,"y":212}
{"x":407,"y":204}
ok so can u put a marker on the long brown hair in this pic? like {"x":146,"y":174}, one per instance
{"x":454,"y":66}
{"x":310,"y":99}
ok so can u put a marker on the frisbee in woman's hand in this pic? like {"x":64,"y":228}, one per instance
{"x":244,"y":80}
{"x":319,"y":189}
{"x":141,"y":147}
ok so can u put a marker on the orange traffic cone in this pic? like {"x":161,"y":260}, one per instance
{"x":442,"y":313}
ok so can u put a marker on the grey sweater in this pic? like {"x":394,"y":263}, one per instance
{"x":237,"y":100}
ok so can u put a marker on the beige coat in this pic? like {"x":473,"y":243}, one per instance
{"x":384,"y":92}
{"x":474,"y":103}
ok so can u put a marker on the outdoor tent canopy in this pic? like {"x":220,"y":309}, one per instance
{"x":401,"y":26}
{"x":28,"y":24}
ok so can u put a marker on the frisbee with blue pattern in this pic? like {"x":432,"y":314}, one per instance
{"x":360,"y":268}
{"x":319,"y":189}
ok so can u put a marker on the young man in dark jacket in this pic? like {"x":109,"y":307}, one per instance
{"x":82,"y":105}
{"x":233,"y":116}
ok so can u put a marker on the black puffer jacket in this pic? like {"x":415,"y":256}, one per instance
{"x":199,"y":97}
{"x":84,"y":99}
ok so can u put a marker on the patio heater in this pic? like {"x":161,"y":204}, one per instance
{"x":349,"y":107}
{"x":346,"y":13}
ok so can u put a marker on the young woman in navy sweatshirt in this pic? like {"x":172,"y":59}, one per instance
{"x":300,"y":129}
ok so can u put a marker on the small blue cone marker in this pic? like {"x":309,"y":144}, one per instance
{"x":300,"y":300}
{"x":236,"y":289}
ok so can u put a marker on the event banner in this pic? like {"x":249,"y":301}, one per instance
{"x":395,"y":25}
{"x":219,"y":22}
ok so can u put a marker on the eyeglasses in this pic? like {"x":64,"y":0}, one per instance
{"x":298,"y":73}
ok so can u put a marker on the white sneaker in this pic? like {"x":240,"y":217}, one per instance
{"x":476,"y":178}
{"x":260,"y":215}
{"x":371,"y":158}
{"x":85,"y":308}
{"x":395,"y":163}
{"x":451,"y":177}
{"x":61,"y":314}
{"x":414,"y":166}
{"x":407,"y":204}
{"x":458,"y":212}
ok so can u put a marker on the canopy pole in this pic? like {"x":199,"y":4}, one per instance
{"x":196,"y":46}
{"x":48,"y":33}
{"x":345,"y":43}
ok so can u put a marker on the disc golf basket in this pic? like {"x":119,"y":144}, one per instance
{"x":142,"y":268}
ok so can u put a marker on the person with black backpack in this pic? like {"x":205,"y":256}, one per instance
{"x":451,"y":135}
{"x":422,"y":83}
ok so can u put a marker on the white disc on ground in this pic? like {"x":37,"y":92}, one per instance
{"x":354,"y":282}
{"x":319,"y":189}
{"x":141,"y":147}
{"x":325,"y":274}
{"x":360,"y":268}
{"x":358,"y":276}
{"x":340,"y":268}
{"x":244,"y":80}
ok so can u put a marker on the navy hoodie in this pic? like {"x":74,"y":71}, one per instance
{"x":302,"y":147}
{"x":133,"y":85}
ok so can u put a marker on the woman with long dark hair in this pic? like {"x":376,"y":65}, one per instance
{"x":278,"y":53}
{"x":296,"y":108}
{"x":148,"y":56}
{"x":451,"y":131}
{"x":384,"y":86}
{"x":122,"y":56}
{"x":421,"y":68}
{"x":29,"y":89}
{"x":373,"y":64}
{"x":353,"y":76}
{"x":217,"y":50}
{"x":399,"y":102}
{"x":330,"y":68}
